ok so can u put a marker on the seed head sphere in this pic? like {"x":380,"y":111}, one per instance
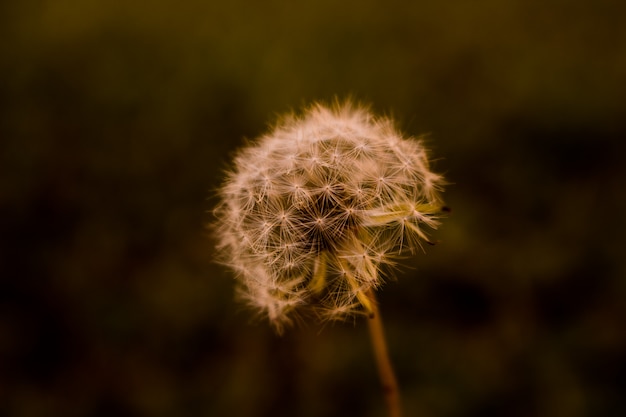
{"x":312,"y":212}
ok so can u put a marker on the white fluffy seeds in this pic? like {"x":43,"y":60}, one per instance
{"x":312,"y":210}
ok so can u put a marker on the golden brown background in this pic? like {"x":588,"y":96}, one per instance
{"x":118,"y":117}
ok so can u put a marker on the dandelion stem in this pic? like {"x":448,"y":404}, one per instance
{"x":385,"y":369}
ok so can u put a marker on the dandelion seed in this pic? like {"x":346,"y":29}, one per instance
{"x":312,"y":211}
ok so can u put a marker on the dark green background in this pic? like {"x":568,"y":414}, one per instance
{"x":118,"y":117}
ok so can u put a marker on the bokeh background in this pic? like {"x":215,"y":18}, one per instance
{"x":117,"y":119}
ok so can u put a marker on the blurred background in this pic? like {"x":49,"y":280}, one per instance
{"x":117,"y":119}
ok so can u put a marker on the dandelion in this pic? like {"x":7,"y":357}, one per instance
{"x":315,"y":213}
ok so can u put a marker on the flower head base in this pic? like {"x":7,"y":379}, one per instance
{"x":313,"y":210}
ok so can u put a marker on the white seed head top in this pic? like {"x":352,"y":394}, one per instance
{"x":313,"y":210}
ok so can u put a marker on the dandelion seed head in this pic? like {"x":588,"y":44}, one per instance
{"x":312,"y":211}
